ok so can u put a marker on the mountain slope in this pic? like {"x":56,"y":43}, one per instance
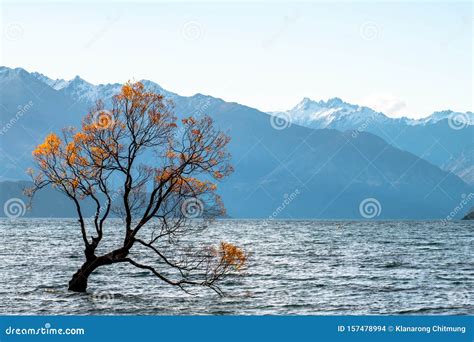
{"x":29,"y":109}
{"x":295,"y":172}
{"x":445,"y":138}
{"x":329,"y":168}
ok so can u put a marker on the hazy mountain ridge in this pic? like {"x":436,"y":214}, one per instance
{"x":438,"y":138}
{"x":322,"y":114}
{"x":431,"y":138}
{"x":333,"y":171}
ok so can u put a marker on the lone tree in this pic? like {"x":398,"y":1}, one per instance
{"x":163,"y":176}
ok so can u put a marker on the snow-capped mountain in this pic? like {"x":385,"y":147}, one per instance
{"x":81,"y":90}
{"x":333,"y":113}
{"x":456,"y":118}
{"x":337,"y":114}
{"x":85,"y":92}
{"x":55,"y":84}
{"x":445,"y":138}
{"x":332,"y":175}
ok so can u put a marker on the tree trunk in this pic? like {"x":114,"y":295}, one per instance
{"x":78,"y":282}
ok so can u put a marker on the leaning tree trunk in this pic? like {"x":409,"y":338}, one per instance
{"x":78,"y":282}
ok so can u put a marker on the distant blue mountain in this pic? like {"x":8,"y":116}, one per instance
{"x":282,"y":170}
{"x":445,"y":138}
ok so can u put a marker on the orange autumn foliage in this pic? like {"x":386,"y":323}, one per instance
{"x":48,"y":147}
{"x":232,"y":255}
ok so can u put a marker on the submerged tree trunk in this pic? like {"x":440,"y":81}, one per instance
{"x":78,"y":282}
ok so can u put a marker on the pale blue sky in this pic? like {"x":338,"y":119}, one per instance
{"x":406,"y":58}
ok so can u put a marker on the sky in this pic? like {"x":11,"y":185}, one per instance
{"x":405,"y":59}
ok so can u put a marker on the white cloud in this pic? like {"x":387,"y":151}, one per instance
{"x":386,"y":103}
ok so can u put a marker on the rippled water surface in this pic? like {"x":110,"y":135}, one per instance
{"x":295,"y":267}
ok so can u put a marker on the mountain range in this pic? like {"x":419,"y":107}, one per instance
{"x":444,"y":138}
{"x":323,"y":160}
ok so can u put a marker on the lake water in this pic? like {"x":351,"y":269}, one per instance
{"x":295,"y":267}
